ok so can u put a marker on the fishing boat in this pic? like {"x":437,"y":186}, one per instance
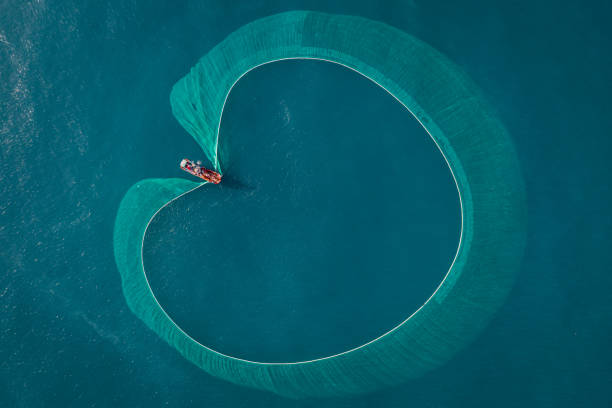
{"x":196,"y":169}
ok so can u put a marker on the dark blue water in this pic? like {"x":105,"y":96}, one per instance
{"x":337,"y":218}
{"x":84,"y":113}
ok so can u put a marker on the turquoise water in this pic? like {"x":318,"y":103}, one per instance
{"x":475,"y":144}
{"x":85,"y":114}
{"x":265,"y":259}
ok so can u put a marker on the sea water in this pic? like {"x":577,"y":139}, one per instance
{"x":265,"y":258}
{"x":84,"y":113}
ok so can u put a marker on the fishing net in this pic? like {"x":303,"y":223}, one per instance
{"x":473,"y":141}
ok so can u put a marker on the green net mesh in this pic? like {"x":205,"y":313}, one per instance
{"x":476,"y":146}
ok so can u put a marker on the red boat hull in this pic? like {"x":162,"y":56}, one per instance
{"x":201,"y":172}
